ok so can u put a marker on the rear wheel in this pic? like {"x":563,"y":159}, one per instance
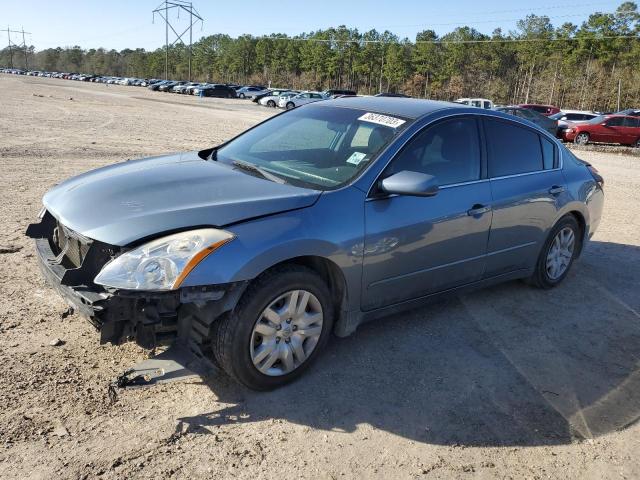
{"x":557,"y":255}
{"x":278,"y":329}
{"x":271,"y":104}
{"x":581,"y":139}
{"x":290,"y":105}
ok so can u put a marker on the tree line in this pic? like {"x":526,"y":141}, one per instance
{"x":571,"y":66}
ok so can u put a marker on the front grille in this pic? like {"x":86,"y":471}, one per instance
{"x":72,"y":245}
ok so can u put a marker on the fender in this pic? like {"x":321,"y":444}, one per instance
{"x":265,"y":242}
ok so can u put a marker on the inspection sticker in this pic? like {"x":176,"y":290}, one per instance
{"x":356,"y":158}
{"x":380,"y":119}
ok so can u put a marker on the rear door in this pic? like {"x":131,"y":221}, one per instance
{"x":415,"y":246}
{"x":527,"y":187}
{"x":630,"y":127}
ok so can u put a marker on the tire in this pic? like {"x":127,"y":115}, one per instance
{"x":290,"y":105}
{"x":581,"y":139}
{"x":236,"y":342}
{"x":228,"y":95}
{"x":241,"y":96}
{"x":636,"y":144}
{"x":271,"y":104}
{"x":543,"y":276}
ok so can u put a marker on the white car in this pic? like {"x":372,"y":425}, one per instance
{"x":250,"y":92}
{"x":476,"y":102}
{"x":566,"y":118}
{"x":300,"y":99}
{"x":272,"y":100}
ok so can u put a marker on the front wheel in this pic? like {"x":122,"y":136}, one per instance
{"x":637,"y":143}
{"x":278,"y":329}
{"x":271,"y":104}
{"x":581,"y":139}
{"x":241,"y":96}
{"x":557,"y":255}
{"x":290,"y":105}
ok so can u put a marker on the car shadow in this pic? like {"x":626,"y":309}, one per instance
{"x":508,"y":365}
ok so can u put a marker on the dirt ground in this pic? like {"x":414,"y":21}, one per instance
{"x":508,"y":382}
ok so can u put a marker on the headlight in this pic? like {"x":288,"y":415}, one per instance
{"x":162,"y":264}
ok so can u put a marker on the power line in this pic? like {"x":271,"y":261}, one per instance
{"x":163,"y":11}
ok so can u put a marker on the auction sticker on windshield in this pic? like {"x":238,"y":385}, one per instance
{"x":356,"y":158}
{"x":380,"y":119}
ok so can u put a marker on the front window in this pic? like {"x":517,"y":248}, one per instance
{"x":317,"y":147}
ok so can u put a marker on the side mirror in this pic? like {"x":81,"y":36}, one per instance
{"x":414,"y":184}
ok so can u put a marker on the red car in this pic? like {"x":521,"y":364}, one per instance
{"x":606,"y":128}
{"x":545,"y":110}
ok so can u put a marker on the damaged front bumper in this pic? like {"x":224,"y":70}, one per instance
{"x":69,"y":262}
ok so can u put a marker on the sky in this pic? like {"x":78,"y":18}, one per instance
{"x":123,"y":24}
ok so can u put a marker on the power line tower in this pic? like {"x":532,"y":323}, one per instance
{"x":194,"y":17}
{"x":22,"y":46}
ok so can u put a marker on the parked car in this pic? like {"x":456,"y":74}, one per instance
{"x":250,"y":91}
{"x":216,"y":90}
{"x":182,"y":87}
{"x":156,"y":86}
{"x":476,"y":102}
{"x":567,"y":118}
{"x":333,"y":92}
{"x":300,"y":99}
{"x":545,"y":110}
{"x":632,"y":112}
{"x":621,"y":129}
{"x":272,"y":98}
{"x":166,"y":87}
{"x":392,"y":94}
{"x":254,"y":252}
{"x":543,"y":122}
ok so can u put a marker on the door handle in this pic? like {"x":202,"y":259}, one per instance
{"x":556,"y":190}
{"x":478,"y":209}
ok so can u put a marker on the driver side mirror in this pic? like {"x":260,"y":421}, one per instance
{"x":414,"y":184}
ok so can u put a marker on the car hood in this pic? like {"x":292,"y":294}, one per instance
{"x":125,"y":202}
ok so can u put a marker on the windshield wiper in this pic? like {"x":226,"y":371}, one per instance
{"x":250,"y":167}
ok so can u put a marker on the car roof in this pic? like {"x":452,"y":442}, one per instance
{"x":404,"y":107}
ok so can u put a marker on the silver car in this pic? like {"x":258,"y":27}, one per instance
{"x":300,"y":99}
{"x":254,"y":252}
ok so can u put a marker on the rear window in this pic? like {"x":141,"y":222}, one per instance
{"x":512,"y":149}
{"x":548,"y":154}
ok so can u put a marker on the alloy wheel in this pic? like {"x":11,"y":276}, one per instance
{"x":582,"y":139}
{"x":560,"y":253}
{"x":286,"y":333}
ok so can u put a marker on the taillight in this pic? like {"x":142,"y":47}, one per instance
{"x":596,"y":175}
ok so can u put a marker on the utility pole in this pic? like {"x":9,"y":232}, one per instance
{"x":619,"y":92}
{"x":23,"y":46}
{"x":10,"y":51}
{"x":163,"y":11}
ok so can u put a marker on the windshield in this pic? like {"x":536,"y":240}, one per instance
{"x":316,"y":147}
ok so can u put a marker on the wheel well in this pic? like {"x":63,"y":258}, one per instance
{"x":583,"y":227}
{"x":330,"y":273}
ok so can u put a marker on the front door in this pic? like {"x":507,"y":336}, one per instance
{"x":415,"y":246}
